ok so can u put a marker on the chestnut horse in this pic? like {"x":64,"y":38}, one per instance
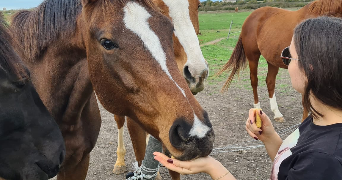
{"x":123,"y":50}
{"x":267,"y":31}
{"x":190,"y":61}
{"x":31,"y":144}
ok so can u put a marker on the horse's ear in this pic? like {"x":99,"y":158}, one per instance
{"x":85,"y":2}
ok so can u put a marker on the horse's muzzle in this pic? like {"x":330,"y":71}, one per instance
{"x":191,"y":146}
{"x":195,"y":82}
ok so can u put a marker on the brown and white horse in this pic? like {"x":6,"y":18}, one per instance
{"x":190,"y":61}
{"x":122,"y":49}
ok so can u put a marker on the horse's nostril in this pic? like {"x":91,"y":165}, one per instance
{"x":180,"y":132}
{"x":178,"y":136}
{"x":188,"y":75}
{"x":175,"y":137}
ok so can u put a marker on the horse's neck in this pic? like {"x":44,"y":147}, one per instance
{"x":306,"y":11}
{"x":62,"y":80}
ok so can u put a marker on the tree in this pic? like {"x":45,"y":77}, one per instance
{"x":208,"y":3}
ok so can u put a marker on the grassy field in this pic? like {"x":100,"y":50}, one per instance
{"x":215,"y":26}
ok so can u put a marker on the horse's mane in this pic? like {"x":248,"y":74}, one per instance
{"x":326,"y":7}
{"x":51,"y":20}
{"x":9,"y":59}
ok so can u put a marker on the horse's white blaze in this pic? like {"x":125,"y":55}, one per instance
{"x":136,"y":19}
{"x":186,"y":34}
{"x":274,"y":107}
{"x":198,"y":128}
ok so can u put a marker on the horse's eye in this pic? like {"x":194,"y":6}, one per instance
{"x":108,"y":44}
{"x":199,"y":5}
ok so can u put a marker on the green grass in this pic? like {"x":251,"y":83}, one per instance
{"x":217,"y":21}
{"x":215,"y":26}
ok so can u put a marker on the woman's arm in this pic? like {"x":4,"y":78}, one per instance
{"x":207,"y":165}
{"x":272,"y":145}
{"x":219,"y":172}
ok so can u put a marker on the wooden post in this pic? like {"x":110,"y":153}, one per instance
{"x":230,"y":28}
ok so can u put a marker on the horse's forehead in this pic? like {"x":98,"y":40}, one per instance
{"x":136,"y":19}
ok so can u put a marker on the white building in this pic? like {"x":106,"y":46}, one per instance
{"x":233,"y":1}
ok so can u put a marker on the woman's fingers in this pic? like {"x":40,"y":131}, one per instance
{"x":251,"y":134}
{"x":161,"y":155}
{"x":172,"y":164}
{"x":250,"y":125}
{"x":251,"y":115}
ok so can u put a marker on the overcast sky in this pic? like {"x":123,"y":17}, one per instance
{"x":24,"y":4}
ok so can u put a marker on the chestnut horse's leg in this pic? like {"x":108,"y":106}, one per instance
{"x":75,"y":173}
{"x":120,"y":165}
{"x":138,"y":137}
{"x":270,"y":81}
{"x":253,"y":60}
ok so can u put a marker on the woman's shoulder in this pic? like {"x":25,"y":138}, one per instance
{"x":320,"y":139}
{"x":313,"y":164}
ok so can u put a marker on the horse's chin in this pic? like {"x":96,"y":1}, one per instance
{"x":196,"y":87}
{"x":183,"y":157}
{"x":192,"y":151}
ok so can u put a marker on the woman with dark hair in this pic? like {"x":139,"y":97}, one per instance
{"x":314,"y":150}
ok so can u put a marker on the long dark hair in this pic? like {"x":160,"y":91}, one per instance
{"x":318,"y":42}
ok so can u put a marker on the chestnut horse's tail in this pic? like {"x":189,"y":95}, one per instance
{"x":236,"y":62}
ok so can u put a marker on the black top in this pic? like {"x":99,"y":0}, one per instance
{"x":310,"y":153}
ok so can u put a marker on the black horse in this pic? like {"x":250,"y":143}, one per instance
{"x":31,"y":144}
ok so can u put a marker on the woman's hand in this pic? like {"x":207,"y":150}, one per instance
{"x":185,"y":167}
{"x":266,"y":132}
{"x":207,"y":165}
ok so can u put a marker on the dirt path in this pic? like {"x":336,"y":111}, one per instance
{"x":212,"y":42}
